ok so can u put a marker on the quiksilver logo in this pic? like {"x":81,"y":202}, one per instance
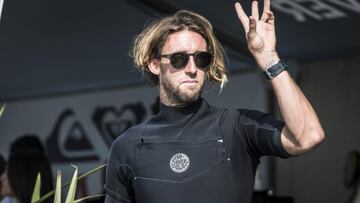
{"x":179,"y":163}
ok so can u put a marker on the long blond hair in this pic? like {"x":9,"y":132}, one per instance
{"x":149,"y":43}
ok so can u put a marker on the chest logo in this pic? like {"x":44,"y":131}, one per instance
{"x":179,"y":163}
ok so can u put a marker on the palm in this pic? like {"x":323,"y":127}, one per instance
{"x":256,"y":42}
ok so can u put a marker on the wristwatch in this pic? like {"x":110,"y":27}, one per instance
{"x":275,"y":70}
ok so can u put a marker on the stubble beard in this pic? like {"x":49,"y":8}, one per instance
{"x":176,"y":97}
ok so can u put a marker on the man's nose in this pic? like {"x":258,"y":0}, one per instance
{"x":190,"y":66}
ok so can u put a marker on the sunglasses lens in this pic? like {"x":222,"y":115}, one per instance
{"x":179,"y":60}
{"x":203,"y":59}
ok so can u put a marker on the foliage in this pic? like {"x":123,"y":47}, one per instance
{"x":57,"y":198}
{"x":70,"y":198}
{"x":2,"y":109}
{"x":36,"y":191}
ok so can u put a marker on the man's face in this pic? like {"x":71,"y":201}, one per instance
{"x":184,"y":85}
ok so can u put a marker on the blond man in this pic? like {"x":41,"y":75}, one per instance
{"x":192,"y":151}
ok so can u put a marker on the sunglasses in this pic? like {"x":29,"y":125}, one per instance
{"x":180,"y":59}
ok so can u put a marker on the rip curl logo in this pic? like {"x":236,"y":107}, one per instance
{"x":179,"y":163}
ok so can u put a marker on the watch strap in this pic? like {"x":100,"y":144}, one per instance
{"x":275,"y":70}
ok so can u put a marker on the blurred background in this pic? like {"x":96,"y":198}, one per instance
{"x":66,"y":77}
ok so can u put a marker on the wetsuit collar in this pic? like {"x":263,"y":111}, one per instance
{"x":173,"y":114}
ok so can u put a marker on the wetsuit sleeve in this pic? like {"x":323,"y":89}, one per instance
{"x":261,"y":133}
{"x":118,"y":176}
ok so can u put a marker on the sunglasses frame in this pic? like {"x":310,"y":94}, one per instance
{"x":195,"y":55}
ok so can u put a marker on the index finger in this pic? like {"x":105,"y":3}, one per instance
{"x":242,"y":15}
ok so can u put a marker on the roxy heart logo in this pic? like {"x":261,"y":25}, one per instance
{"x":112,"y":122}
{"x":69,"y":141}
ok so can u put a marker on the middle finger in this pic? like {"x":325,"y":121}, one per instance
{"x":255,"y":9}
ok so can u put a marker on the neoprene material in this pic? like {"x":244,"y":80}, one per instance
{"x":219,"y":152}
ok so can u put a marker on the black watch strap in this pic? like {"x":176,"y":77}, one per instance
{"x":275,"y":70}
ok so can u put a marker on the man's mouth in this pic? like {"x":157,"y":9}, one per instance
{"x":189,"y":82}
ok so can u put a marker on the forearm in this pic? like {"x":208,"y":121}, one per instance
{"x":303,"y":130}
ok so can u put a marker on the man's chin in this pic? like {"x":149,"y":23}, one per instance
{"x":189,"y":97}
{"x":190,"y":91}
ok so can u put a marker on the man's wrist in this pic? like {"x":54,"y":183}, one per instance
{"x":274,"y":70}
{"x":267,"y":60}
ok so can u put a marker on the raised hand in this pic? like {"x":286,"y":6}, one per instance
{"x":260,"y":33}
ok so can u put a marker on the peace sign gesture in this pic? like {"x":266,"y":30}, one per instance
{"x":260,"y":33}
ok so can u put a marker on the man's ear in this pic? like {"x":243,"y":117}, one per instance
{"x":154,"y":66}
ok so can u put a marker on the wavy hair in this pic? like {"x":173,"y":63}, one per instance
{"x":149,"y":43}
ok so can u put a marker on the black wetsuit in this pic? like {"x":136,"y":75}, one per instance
{"x":197,"y":153}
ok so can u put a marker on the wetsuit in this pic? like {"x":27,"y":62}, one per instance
{"x":198,"y":153}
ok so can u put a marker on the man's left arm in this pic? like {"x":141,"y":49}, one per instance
{"x":302,"y":129}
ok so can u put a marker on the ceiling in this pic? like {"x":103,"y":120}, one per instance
{"x":52,"y":47}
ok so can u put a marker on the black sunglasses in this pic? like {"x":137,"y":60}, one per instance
{"x":180,"y":59}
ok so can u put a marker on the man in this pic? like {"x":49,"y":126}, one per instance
{"x":194,"y":152}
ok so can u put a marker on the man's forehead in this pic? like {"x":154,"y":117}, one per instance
{"x":185,"y":41}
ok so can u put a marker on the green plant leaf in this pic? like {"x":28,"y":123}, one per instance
{"x":57,"y":198}
{"x":52,"y":192}
{"x":92,"y":171}
{"x":88,"y":197}
{"x":36,"y":192}
{"x":72,"y":189}
{"x":2,"y":109}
